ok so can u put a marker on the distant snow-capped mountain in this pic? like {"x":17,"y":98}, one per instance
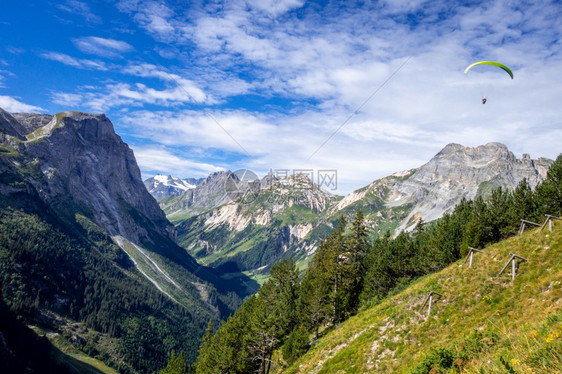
{"x":161,"y":186}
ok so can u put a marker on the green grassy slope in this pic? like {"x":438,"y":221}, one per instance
{"x":76,"y":360}
{"x":482,"y":324}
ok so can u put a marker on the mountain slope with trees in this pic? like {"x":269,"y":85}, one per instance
{"x":289,"y":217}
{"x":71,"y":204}
{"x":350,"y":276}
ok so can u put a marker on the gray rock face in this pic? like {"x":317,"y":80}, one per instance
{"x":462,"y":172}
{"x":10,"y":126}
{"x":32,"y":121}
{"x":83,"y":160}
{"x":194,"y":181}
{"x":293,"y":218}
{"x":211,"y":192}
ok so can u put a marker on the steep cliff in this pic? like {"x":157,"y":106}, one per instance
{"x":85,"y":246}
{"x":456,"y":172}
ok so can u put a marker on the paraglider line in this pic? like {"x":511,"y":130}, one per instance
{"x":360,"y":106}
{"x":198,"y":103}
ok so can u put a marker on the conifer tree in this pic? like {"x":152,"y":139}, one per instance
{"x":176,"y":365}
{"x":549,"y":192}
{"x":356,"y":247}
{"x":296,"y":345}
{"x":315,"y":293}
{"x":275,"y":313}
{"x":335,"y":245}
{"x":522,"y":205}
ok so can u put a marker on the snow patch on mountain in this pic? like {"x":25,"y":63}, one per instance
{"x":161,"y":186}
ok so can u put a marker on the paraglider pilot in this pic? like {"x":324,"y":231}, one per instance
{"x":483,"y":100}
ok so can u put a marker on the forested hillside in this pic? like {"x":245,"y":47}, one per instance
{"x":348,"y":274}
{"x":51,"y":277}
{"x":72,"y":204}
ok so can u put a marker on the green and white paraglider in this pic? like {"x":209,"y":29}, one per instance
{"x":493,"y":63}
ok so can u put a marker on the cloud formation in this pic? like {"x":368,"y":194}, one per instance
{"x":266,"y":84}
{"x":80,"y":8}
{"x":153,"y":160}
{"x":110,"y":48}
{"x":13,"y":105}
{"x":75,"y":62}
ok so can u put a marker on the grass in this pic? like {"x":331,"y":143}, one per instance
{"x":509,"y":326}
{"x":73,"y":358}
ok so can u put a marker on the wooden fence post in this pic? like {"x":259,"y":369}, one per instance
{"x":470,"y":254}
{"x":430,"y":299}
{"x":513,"y":260}
{"x":548,"y":220}
{"x":523,"y":224}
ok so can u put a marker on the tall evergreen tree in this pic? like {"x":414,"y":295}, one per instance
{"x":176,"y":365}
{"x":335,"y":245}
{"x":275,"y":313}
{"x":549,"y":192}
{"x":356,"y":247}
{"x":315,"y":293}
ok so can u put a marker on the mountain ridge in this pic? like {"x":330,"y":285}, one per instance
{"x":161,"y":186}
{"x":396,"y":202}
{"x":71,"y":177}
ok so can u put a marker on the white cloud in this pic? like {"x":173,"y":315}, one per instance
{"x":177,"y":91}
{"x":153,"y":159}
{"x":75,"y":62}
{"x":68,"y":100}
{"x":13,"y":105}
{"x":103,"y":47}
{"x":327,"y":61}
{"x":80,"y":8}
{"x":187,"y":89}
{"x":286,"y":144}
{"x":275,"y":7}
{"x":154,"y":16}
{"x":15,"y":50}
{"x":114,"y":95}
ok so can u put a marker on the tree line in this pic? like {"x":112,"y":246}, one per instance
{"x":349,"y":272}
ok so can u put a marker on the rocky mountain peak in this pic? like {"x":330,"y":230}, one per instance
{"x":10,"y":126}
{"x":457,"y":172}
{"x":82,"y":159}
{"x":487,"y":151}
{"x":211,"y":192}
{"x":161,"y":186}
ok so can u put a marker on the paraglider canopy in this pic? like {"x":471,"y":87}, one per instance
{"x":493,"y":63}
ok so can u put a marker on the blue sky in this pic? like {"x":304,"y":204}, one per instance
{"x":367,"y":88}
